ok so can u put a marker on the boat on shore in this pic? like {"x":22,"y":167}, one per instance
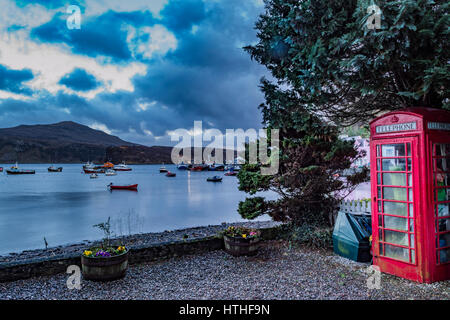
{"x":122,"y":167}
{"x":214,"y":179}
{"x":128,"y":187}
{"x":15,"y":170}
{"x":54,"y":169}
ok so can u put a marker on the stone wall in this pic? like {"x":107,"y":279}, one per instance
{"x":12,"y":271}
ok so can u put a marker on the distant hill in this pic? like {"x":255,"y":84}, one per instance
{"x":70,"y":142}
{"x":63,"y":133}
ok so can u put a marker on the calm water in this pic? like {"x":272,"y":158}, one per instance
{"x":63,"y":207}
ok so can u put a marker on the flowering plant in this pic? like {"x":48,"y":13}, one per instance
{"x":104,"y":252}
{"x":241,"y":232}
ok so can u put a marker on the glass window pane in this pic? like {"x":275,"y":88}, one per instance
{"x":378,"y":150}
{"x":445,"y":255}
{"x":442,"y":164}
{"x":411,"y":210}
{"x":444,"y":225}
{"x":413,"y":256}
{"x":396,"y":237}
{"x":378,"y":178}
{"x":411,"y":243}
{"x":411,"y":225}
{"x":396,"y":223}
{"x":394,"y":179}
{"x":379,"y":192}
{"x":443,"y":209}
{"x":410,"y":191}
{"x":394,"y":193}
{"x":395,"y":208}
{"x":409,"y":164}
{"x":442,"y":179}
{"x":410,"y":180}
{"x":441,"y":150}
{"x":444,"y":240}
{"x":393,"y":150}
{"x":408,"y":145}
{"x":396,"y":253}
{"x":380,"y":220}
{"x":394,"y":164}
{"x":443,"y":194}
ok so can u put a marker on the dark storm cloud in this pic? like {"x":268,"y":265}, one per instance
{"x":79,"y":80}
{"x":207,"y":77}
{"x":104,"y":35}
{"x":12,"y":80}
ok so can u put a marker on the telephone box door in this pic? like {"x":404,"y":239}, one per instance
{"x":394,"y":223}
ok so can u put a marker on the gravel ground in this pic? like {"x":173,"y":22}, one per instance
{"x":133,"y":240}
{"x":277,"y":272}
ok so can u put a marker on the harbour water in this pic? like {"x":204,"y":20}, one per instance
{"x":63,"y":207}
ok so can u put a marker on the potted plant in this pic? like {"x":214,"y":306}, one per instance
{"x":106,"y":262}
{"x":240,"y":241}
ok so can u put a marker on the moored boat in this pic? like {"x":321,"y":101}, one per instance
{"x":54,"y":169}
{"x":128,"y":187}
{"x":170,"y":174}
{"x":94,"y":176}
{"x":162,"y":169}
{"x":231,"y":173}
{"x":122,"y":167}
{"x":15,"y":170}
{"x":1,"y":169}
{"x":110,"y":172}
{"x":214,"y":179}
{"x":90,"y":171}
{"x":182,"y":166}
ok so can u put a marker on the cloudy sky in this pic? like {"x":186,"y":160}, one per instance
{"x":138,"y":69}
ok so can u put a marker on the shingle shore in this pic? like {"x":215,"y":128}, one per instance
{"x":277,"y":272}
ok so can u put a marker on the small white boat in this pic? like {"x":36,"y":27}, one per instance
{"x":94,"y":176}
{"x":122,"y":167}
{"x":110,"y":172}
{"x":162,"y":168}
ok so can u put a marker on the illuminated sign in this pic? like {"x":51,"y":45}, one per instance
{"x":396,"y":127}
{"x":438,"y":126}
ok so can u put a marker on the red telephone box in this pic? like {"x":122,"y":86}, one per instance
{"x":410,"y":184}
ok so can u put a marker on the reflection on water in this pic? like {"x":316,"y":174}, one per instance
{"x":63,"y":207}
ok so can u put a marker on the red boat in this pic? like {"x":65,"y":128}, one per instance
{"x":1,"y":169}
{"x":170,"y":174}
{"x":129,"y":187}
{"x":90,"y":171}
{"x":231,"y":173}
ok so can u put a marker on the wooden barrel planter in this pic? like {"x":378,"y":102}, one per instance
{"x":104,"y":268}
{"x":238,"y":246}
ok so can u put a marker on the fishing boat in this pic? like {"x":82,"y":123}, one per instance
{"x":170,"y":174}
{"x":216,"y":167}
{"x":122,"y":167}
{"x":128,"y":187}
{"x":89,"y":165}
{"x":94,"y":176}
{"x":110,"y":172}
{"x":54,"y":169}
{"x":214,"y":179}
{"x":15,"y":170}
{"x":182,"y":166}
{"x":106,"y":165}
{"x":90,"y":171}
{"x":162,"y":169}
{"x":199,"y":167}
